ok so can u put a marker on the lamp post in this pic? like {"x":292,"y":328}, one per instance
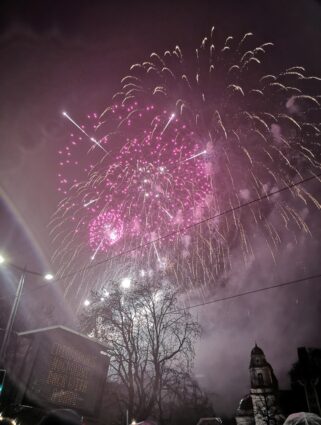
{"x":12,"y":316}
{"x":14,"y":308}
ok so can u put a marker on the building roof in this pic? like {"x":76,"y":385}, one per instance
{"x":257,"y":357}
{"x":61,"y":328}
{"x":210,"y":421}
{"x":257,"y":351}
{"x":246,"y":405}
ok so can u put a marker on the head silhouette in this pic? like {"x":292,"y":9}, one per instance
{"x":61,"y":417}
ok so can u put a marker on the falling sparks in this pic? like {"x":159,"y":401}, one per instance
{"x":172,"y":116}
{"x":196,"y":155}
{"x":92,"y":139}
{"x":86,"y":204}
{"x":236,"y":134}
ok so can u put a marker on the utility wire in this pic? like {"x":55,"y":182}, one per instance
{"x":252,"y":291}
{"x":306,"y":279}
{"x":175,"y":232}
{"x":184,"y":229}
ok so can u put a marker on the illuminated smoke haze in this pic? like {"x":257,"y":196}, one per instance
{"x":75,"y":64}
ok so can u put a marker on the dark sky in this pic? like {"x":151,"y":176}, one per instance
{"x":57,"y":55}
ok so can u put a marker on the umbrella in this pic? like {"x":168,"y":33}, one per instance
{"x":303,"y":418}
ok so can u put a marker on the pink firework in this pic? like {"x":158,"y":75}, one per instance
{"x":189,"y":137}
{"x":81,"y":152}
{"x":158,"y":180}
{"x":105,"y":230}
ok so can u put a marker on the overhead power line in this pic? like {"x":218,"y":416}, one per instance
{"x":178,"y":231}
{"x":184,"y":229}
{"x":253,"y":291}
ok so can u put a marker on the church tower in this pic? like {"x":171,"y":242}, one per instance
{"x":264,"y":390}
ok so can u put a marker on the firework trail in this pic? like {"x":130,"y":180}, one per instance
{"x":187,"y":137}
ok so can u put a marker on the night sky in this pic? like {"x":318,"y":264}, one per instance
{"x":57,"y":56}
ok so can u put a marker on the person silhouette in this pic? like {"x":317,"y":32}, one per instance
{"x":61,"y":417}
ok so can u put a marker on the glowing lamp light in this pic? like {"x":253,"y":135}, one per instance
{"x":125,"y":283}
{"x":2,"y":259}
{"x":105,"y":294}
{"x":86,"y":303}
{"x":48,"y":276}
{"x":6,"y":419}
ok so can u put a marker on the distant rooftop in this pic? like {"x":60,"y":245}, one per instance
{"x":61,"y":328}
{"x":210,"y":421}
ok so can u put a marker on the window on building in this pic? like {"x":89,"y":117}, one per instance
{"x":260,"y":378}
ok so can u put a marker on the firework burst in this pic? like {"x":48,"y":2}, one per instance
{"x":185,"y":138}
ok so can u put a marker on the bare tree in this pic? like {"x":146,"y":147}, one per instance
{"x":149,"y":340}
{"x":266,"y":409}
{"x":184,"y":402}
{"x":305,"y":376}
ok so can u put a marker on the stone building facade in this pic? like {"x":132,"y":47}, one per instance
{"x":260,"y":406}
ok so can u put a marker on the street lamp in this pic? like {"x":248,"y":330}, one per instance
{"x":125,"y":283}
{"x":14,"y":308}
